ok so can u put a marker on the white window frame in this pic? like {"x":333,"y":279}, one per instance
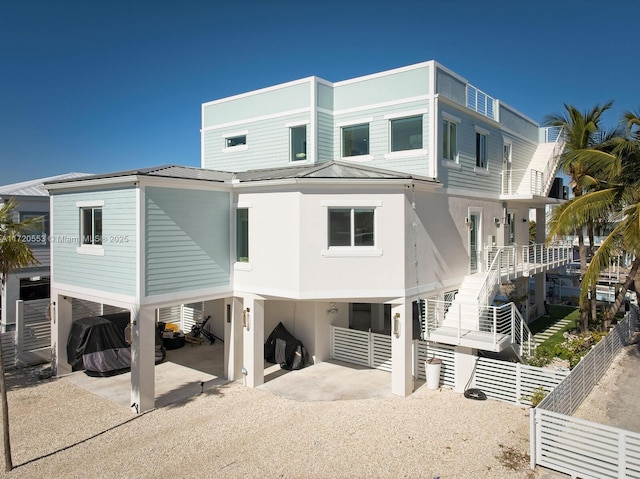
{"x":481,"y":132}
{"x":352,"y":250}
{"x":235,"y":134}
{"x":91,"y":248}
{"x":410,"y":151}
{"x":353,"y":123}
{"x":242,"y":265}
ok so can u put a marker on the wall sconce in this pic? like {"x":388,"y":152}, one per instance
{"x":467,"y":221}
{"x":246,"y":320}
{"x":128,"y":332}
{"x":524,"y":220}
{"x":496,"y":221}
{"x":396,"y":325}
{"x":332,"y":309}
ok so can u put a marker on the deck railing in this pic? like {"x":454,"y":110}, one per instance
{"x":479,"y":101}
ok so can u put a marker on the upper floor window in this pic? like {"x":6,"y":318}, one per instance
{"x":242,"y":235}
{"x":481,"y":150}
{"x":406,"y":133}
{"x":298,"y":143}
{"x":351,"y":227}
{"x":38,"y":230}
{"x":91,"y":225}
{"x":355,"y":140}
{"x":449,"y":140}
{"x":232,"y":141}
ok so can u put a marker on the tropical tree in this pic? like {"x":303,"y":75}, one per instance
{"x":616,"y":162}
{"x":581,"y":131}
{"x":14,"y":254}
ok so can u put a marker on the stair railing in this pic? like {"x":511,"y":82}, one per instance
{"x":552,"y":166}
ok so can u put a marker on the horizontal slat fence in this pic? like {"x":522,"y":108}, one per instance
{"x":583,"y":448}
{"x":428,"y":349}
{"x":361,"y":347}
{"x":8,"y":349}
{"x":36,"y":333}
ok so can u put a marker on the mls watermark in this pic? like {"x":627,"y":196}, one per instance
{"x":72,"y":239}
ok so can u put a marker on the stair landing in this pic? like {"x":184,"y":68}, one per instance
{"x":485,"y":341}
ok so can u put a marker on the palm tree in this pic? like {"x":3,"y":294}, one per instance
{"x":581,"y":132}
{"x":616,"y":162}
{"x":14,"y":254}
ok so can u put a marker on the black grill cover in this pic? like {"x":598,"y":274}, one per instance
{"x":283,"y":348}
{"x":97,"y":345}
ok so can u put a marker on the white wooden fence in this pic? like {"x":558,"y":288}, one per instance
{"x":514,"y":382}
{"x":575,"y":446}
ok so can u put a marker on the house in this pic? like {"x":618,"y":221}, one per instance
{"x":392,"y":205}
{"x":32,"y":283}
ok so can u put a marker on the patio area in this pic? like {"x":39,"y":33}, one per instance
{"x":194,"y":369}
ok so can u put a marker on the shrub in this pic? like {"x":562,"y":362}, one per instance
{"x":538,"y":395}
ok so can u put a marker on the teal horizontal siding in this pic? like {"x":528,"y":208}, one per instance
{"x":187,"y":240}
{"x":385,"y":88}
{"x":278,"y":100}
{"x":267,"y":145}
{"x":115,"y":272}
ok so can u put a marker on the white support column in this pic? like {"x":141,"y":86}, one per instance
{"x":541,"y":225}
{"x":233,"y":338}
{"x":61,"y":319}
{"x":143,"y":358}
{"x":10,"y":295}
{"x":401,"y":341}
{"x":540,"y":292}
{"x":465,"y":361}
{"x":253,"y":344}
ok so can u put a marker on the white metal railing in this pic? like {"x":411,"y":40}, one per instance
{"x":479,"y":101}
{"x":531,"y":181}
{"x":575,"y":446}
{"x":514,"y":261}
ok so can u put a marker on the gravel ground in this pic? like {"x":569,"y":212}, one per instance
{"x":60,"y":430}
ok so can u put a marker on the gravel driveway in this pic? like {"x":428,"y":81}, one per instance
{"x":60,"y":430}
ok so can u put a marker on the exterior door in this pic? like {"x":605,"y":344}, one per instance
{"x":474,"y":242}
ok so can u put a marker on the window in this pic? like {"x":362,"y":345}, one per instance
{"x":449,"y":140}
{"x":355,"y":140}
{"x":406,"y":134}
{"x":242,"y":235}
{"x":298,"y":143}
{"x":481,"y":150}
{"x":232,"y":141}
{"x":91,"y":226}
{"x":38,"y":232}
{"x":351,"y":227}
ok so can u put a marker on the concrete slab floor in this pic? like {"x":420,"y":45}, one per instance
{"x":193,"y":369}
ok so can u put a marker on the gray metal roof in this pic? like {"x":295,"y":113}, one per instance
{"x":35,"y":187}
{"x":328,"y":170}
{"x":164,"y":171}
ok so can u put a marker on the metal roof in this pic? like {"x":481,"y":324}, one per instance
{"x":35,"y":187}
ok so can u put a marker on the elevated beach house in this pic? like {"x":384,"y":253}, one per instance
{"x":393,"y":205}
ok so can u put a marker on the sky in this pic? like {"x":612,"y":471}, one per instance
{"x":98,"y":86}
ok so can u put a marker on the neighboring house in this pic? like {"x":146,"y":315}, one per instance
{"x":321,"y":204}
{"x":29,"y":283}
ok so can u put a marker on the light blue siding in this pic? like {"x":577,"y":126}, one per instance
{"x":325,"y":96}
{"x":379,"y":137}
{"x":187,"y":240}
{"x":115,"y":272}
{"x":465,"y":178}
{"x":267,"y":145}
{"x":273,"y":101}
{"x":325,"y":136}
{"x":380,"y":89}
{"x":518,"y":123}
{"x":451,"y":87}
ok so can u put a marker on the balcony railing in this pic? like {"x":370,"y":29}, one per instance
{"x":479,"y":101}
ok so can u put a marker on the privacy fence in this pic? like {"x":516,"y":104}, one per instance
{"x":583,"y":448}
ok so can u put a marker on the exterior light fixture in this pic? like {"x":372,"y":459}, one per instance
{"x":246,"y":320}
{"x":396,"y":325}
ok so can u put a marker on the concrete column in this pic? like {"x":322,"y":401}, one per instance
{"x":465,"y":360}
{"x":401,"y":349}
{"x":61,"y":319}
{"x":540,"y":292}
{"x":10,"y":295}
{"x":377,"y":316}
{"x":541,"y":225}
{"x":143,"y":348}
{"x":233,"y":338}
{"x":253,"y":344}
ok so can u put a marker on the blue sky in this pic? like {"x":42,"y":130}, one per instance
{"x":98,"y":86}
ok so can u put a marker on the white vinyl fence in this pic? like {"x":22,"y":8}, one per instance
{"x":361,"y":347}
{"x":30,"y":343}
{"x":575,"y":446}
{"x":424,"y":350}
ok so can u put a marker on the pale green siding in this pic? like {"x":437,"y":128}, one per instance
{"x":267,"y":144}
{"x":451,"y":87}
{"x":272,"y":101}
{"x":380,"y":89}
{"x":325,"y":96}
{"x":115,"y":272}
{"x":379,"y":137}
{"x":187,"y":240}
{"x":325,"y":136}
{"x":518,"y":123}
